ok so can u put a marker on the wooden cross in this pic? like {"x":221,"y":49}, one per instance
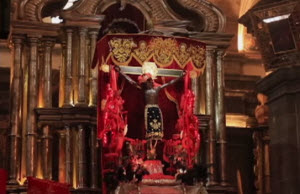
{"x":161,"y":72}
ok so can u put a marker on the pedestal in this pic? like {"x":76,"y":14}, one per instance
{"x":283,"y":90}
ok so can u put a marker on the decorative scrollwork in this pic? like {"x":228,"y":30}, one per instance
{"x":182,"y":54}
{"x":163,"y":49}
{"x":121,"y":48}
{"x":197,"y":54}
{"x":142,"y":52}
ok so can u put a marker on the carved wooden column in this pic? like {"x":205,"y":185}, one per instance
{"x":81,"y":157}
{"x":15,"y":133}
{"x":93,"y":89}
{"x":210,"y":110}
{"x":68,"y":69}
{"x":93,"y":157}
{"x":47,"y":152}
{"x":220,"y":116}
{"x":32,"y":104}
{"x":47,"y":90}
{"x":62,"y":156}
{"x":82,"y":95}
{"x":69,"y":163}
{"x":47,"y":102}
{"x":267,"y":171}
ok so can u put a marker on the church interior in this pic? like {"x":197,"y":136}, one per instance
{"x":81,"y":80}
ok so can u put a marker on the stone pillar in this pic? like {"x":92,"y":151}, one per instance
{"x":81,"y":157}
{"x":93,"y":89}
{"x":81,"y":99}
{"x":220,"y":117}
{"x":210,"y":110}
{"x":47,"y":90}
{"x":68,"y":70}
{"x":31,"y":130}
{"x":93,"y":158}
{"x":69,"y":163}
{"x":62,"y":157}
{"x":62,"y":74}
{"x":283,"y":90}
{"x":267,"y":174}
{"x":47,"y":152}
{"x":15,"y":133}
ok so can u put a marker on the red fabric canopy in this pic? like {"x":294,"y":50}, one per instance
{"x":134,"y":50}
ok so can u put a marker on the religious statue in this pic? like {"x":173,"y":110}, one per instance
{"x":153,"y":114}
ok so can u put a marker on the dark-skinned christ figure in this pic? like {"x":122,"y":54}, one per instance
{"x":153,"y":115}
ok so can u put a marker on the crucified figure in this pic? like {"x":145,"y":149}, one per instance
{"x":153,"y":115}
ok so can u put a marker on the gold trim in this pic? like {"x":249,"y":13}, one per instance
{"x":158,"y":134}
{"x":163,"y":50}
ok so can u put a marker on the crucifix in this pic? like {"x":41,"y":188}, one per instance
{"x":153,"y":115}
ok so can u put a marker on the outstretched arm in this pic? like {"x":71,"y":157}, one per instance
{"x":173,"y":81}
{"x":131,"y":81}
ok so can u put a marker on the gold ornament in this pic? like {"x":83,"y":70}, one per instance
{"x":182,"y":55}
{"x":163,"y":49}
{"x":198,"y":55}
{"x":121,"y":48}
{"x":143,"y":52}
{"x":150,"y":67}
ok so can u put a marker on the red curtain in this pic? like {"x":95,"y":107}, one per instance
{"x":166,"y":52}
{"x":3,"y":180}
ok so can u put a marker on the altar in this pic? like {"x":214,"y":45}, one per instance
{"x":150,"y":136}
{"x":151,"y":189}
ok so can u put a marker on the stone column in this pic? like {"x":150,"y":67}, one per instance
{"x":68,"y":70}
{"x":69,"y":163}
{"x":81,"y":158}
{"x":47,"y":152}
{"x":62,"y":157}
{"x":220,"y":117}
{"x":93,"y":159}
{"x":62,"y":74}
{"x":47,"y":90}
{"x":15,"y":133}
{"x":81,"y":99}
{"x":47,"y":102}
{"x":267,"y":174}
{"x":93,"y":92}
{"x":210,"y":110}
{"x":31,"y":130}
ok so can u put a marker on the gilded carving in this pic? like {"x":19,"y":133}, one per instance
{"x":142,"y":52}
{"x":198,"y":55}
{"x":163,"y":49}
{"x":182,"y":54}
{"x":121,"y":48}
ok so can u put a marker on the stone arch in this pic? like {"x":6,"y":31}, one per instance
{"x":31,"y":10}
{"x":214,"y":19}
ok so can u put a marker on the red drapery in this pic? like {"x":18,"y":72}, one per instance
{"x":133,"y":50}
{"x":40,"y":186}
{"x":3,"y":180}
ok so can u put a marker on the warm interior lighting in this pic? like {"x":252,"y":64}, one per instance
{"x":244,"y":7}
{"x":56,"y":20}
{"x":52,"y":20}
{"x":240,"y":37}
{"x":277,"y":18}
{"x":69,"y":4}
{"x":236,"y":120}
{"x":22,"y":181}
